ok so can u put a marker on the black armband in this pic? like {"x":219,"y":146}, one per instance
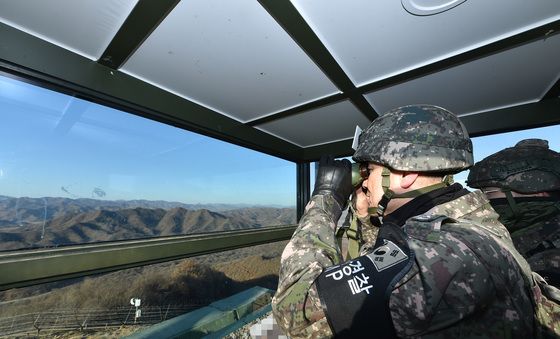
{"x":356,"y":294}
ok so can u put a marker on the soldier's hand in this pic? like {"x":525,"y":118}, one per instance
{"x":334,"y":177}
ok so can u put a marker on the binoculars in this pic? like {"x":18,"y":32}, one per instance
{"x":360,"y":173}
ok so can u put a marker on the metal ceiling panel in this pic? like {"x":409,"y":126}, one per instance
{"x":85,"y":27}
{"x":319,"y":126}
{"x":516,"y":76}
{"x":373,"y":40}
{"x":213,"y":53}
{"x":231,"y":57}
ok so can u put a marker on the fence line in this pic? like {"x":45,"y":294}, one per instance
{"x":82,"y":319}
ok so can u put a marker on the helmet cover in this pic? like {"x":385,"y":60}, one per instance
{"x":419,"y":138}
{"x":528,"y":167}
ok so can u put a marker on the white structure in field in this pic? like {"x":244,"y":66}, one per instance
{"x":136,"y":303}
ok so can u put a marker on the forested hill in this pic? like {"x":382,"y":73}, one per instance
{"x":42,"y":222}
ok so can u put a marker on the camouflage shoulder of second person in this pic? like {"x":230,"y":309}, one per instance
{"x":539,"y":243}
{"x":547,"y":264}
{"x":474,"y":207}
{"x":296,"y":305}
{"x":541,"y":234}
{"x":547,"y":260}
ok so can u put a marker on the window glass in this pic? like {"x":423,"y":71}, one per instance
{"x":313,"y":174}
{"x":105,"y":306}
{"x":73,"y":171}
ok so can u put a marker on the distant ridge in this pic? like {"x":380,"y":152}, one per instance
{"x":47,"y":222}
{"x":24,"y":210}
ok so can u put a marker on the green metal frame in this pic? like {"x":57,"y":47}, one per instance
{"x":329,"y":100}
{"x":289,"y":18}
{"x":29,"y":267}
{"x":303,"y":186}
{"x":538,"y":114}
{"x":537,"y":33}
{"x":30,"y":57}
{"x":140,"y":23}
{"x":295,"y":25}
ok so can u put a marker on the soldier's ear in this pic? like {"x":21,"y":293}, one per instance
{"x":408,"y":179}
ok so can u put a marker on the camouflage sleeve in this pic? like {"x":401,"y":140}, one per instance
{"x":369,"y":231}
{"x":296,"y":305}
{"x":447,"y":284}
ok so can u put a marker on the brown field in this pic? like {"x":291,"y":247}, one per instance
{"x":190,"y":282}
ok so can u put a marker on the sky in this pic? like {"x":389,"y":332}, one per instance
{"x":56,"y":145}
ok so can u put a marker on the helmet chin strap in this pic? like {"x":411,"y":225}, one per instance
{"x":389,"y":194}
{"x":511,"y":202}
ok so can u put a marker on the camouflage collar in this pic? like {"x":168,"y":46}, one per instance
{"x":462,"y":206}
{"x":425,"y":202}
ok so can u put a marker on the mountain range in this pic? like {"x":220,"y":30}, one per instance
{"x":46,"y":222}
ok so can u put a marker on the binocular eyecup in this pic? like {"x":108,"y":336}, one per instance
{"x":360,"y":173}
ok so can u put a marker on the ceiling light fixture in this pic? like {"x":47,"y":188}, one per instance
{"x":429,"y":7}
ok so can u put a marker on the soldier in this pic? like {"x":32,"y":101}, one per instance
{"x":441,"y":265}
{"x":523,"y":185}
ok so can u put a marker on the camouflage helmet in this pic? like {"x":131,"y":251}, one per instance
{"x":528,"y":167}
{"x":419,"y":138}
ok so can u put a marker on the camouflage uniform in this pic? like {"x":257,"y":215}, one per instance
{"x":538,"y":238}
{"x":465,"y":297}
{"x":369,"y":231}
{"x":464,"y":282}
{"x":534,"y":222}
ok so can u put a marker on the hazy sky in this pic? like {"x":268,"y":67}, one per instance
{"x":56,"y":145}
